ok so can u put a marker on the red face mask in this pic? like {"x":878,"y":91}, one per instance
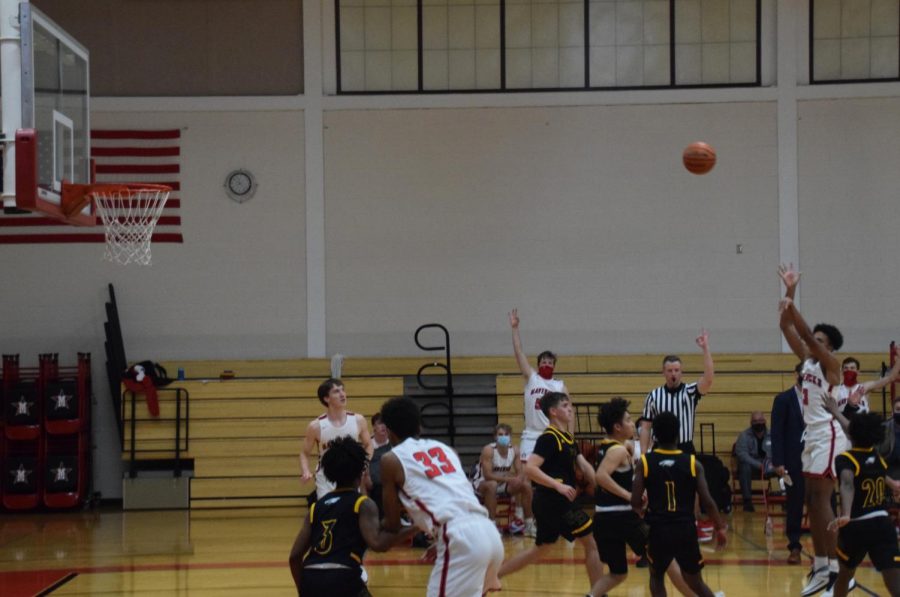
{"x":850,"y":378}
{"x":546,"y":371}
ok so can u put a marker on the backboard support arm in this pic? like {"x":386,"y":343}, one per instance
{"x":10,"y":94}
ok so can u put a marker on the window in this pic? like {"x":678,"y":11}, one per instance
{"x":854,"y":40}
{"x":460,"y":44}
{"x":378,"y":45}
{"x":514,"y":45}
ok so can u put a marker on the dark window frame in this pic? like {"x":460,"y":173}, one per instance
{"x":587,"y":45}
{"x":812,"y":57}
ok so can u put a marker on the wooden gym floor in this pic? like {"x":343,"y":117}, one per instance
{"x":244,"y":552}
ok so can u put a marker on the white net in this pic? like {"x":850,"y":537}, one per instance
{"x":129,"y":216}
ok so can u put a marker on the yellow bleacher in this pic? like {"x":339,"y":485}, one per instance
{"x":246,"y":432}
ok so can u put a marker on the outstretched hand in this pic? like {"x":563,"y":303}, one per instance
{"x":703,"y":340}
{"x":514,"y":319}
{"x":789,"y":276}
{"x":856,"y":395}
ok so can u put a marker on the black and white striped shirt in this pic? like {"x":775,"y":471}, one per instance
{"x":682,"y":401}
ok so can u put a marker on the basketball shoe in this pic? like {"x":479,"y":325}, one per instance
{"x":816,"y":581}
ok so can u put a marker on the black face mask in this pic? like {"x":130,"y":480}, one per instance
{"x":758,"y":427}
{"x":897,"y":418}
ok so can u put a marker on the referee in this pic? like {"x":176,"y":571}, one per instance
{"x":678,"y":398}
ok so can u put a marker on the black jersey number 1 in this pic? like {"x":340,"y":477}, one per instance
{"x":670,"y":496}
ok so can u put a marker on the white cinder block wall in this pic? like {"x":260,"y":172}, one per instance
{"x":583,"y":217}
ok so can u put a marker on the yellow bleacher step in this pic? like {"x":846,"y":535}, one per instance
{"x":248,"y":487}
{"x":642,"y":384}
{"x":207,"y":508}
{"x":240,"y":408}
{"x":156,"y":455}
{"x":254,"y":446}
{"x":239,"y":465}
{"x":225,"y":428}
{"x":283,"y":388}
{"x":320,"y":369}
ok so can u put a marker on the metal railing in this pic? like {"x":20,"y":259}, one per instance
{"x":182,"y":397}
{"x":448,"y":372}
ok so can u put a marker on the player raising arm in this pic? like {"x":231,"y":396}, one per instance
{"x":537,"y":383}
{"x":824,"y":437}
{"x":851,"y":395}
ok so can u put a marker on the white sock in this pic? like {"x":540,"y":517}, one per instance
{"x":520,"y":513}
{"x":529,"y":521}
{"x":819,"y":562}
{"x":833,"y":565}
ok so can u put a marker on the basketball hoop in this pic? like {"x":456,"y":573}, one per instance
{"x":129,"y":213}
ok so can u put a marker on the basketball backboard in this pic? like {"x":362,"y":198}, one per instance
{"x":52,"y":145}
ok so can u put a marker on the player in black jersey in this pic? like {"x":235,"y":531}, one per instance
{"x":551,"y":468}
{"x":326,"y":558}
{"x":865,"y":526}
{"x":615,"y":521}
{"x":673,"y":479}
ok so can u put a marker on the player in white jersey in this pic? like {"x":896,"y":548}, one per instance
{"x":426,"y":477}
{"x":498,"y":475}
{"x":824,"y":438}
{"x":537,"y":384}
{"x":851,"y":395}
{"x":336,"y":422}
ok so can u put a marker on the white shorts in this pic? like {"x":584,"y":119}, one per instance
{"x":823,"y":443}
{"x":502,"y":490}
{"x":323,"y":485}
{"x":526,"y":447}
{"x":469,"y":554}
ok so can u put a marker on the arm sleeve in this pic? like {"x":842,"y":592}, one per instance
{"x":545,"y":446}
{"x":694,"y":392}
{"x":649,"y":407}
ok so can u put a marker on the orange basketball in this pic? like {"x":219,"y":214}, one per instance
{"x":699,"y":157}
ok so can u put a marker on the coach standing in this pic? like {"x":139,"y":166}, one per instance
{"x":787,"y":448}
{"x":678,"y":398}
